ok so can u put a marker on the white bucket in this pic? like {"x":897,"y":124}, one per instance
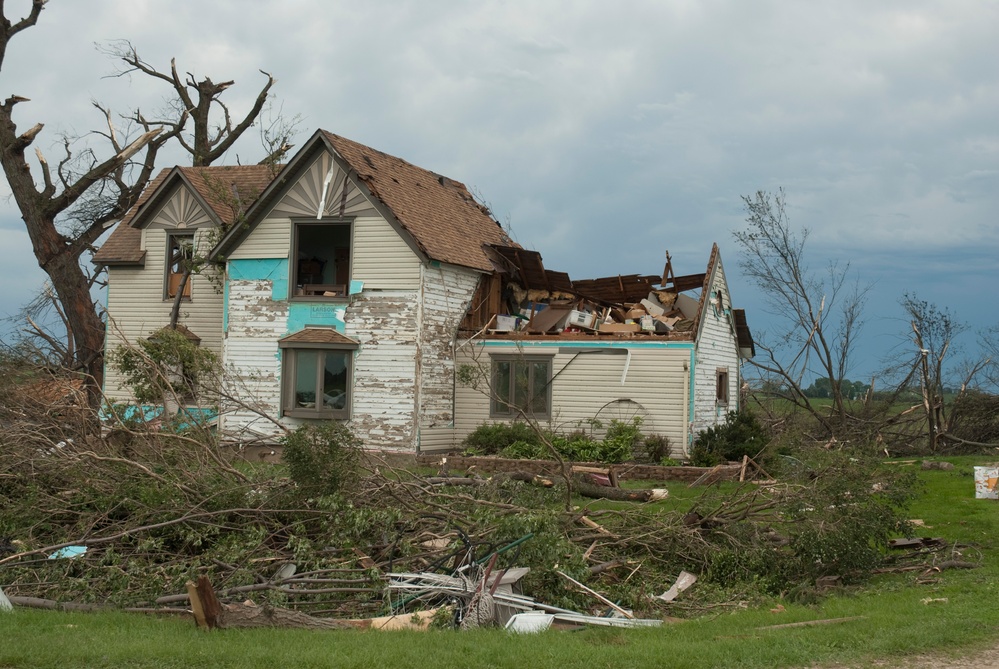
{"x":986,"y":482}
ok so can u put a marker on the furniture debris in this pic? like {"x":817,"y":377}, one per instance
{"x":430,"y":587}
{"x":529,"y":622}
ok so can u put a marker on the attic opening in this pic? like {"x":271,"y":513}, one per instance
{"x":322,"y":256}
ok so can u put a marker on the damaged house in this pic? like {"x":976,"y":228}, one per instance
{"x":356,"y":286}
{"x":577,"y":355}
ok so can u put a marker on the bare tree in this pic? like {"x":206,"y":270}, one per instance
{"x":934,"y":333}
{"x":819,"y":315}
{"x":82,"y":194}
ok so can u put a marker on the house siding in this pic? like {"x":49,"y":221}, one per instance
{"x":384,"y":318}
{"x":446,"y":294}
{"x":716,"y":348}
{"x":589,"y":385}
{"x":137,"y":309}
{"x":384,"y":323}
{"x":380,"y":257}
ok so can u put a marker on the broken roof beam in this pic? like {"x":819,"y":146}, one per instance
{"x":529,"y":269}
{"x":688,"y":282}
{"x":617,"y":289}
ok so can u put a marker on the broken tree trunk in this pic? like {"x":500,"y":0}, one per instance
{"x":618,"y":494}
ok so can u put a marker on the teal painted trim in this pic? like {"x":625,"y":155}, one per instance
{"x":274,"y":270}
{"x":356,"y":286}
{"x":301,"y":314}
{"x":104,"y":378}
{"x":225,"y":307}
{"x":679,"y":345}
{"x":691,"y":386}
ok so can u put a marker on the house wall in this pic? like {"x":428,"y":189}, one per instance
{"x":399,"y":294}
{"x":588,"y":384}
{"x":716,"y":347}
{"x":135,"y":302}
{"x":446,"y":294}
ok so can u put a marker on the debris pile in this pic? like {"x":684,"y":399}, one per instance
{"x":394,"y":542}
{"x":524,"y":298}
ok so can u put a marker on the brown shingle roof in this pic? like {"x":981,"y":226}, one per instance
{"x":227,"y":190}
{"x":440,"y":214}
{"x":317,"y":335}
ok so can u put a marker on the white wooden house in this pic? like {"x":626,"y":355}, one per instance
{"x":356,"y":287}
{"x":345,"y":281}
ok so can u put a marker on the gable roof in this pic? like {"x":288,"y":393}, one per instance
{"x":223,"y":191}
{"x":439,"y":216}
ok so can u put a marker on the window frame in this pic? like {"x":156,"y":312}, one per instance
{"x":501,"y":404}
{"x":721,"y":386}
{"x":168,"y":273}
{"x":296,"y":224}
{"x":289,"y":355}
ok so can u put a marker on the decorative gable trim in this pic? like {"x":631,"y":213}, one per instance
{"x":179,"y":212}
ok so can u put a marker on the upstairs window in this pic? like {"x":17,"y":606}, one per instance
{"x":521,"y":386}
{"x":322,"y":256}
{"x":180,"y":254}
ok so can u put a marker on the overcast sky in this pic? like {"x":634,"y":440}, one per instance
{"x":603,"y":134}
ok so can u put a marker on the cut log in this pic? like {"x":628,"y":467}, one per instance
{"x":618,"y":494}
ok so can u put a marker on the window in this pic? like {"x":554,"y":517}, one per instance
{"x":721,"y":385}
{"x":317,"y":374}
{"x":180,"y":253}
{"x":521,"y":385}
{"x":322,"y":259}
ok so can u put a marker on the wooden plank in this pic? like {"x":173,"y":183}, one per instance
{"x":810,"y":623}
{"x":626,"y":614}
{"x":196,"y":608}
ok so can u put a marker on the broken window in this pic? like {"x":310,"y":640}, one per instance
{"x":321,"y":254}
{"x":521,"y":386}
{"x":180,"y":254}
{"x":317,"y":381}
{"x":721,"y":385}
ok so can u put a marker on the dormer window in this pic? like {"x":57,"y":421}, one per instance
{"x":180,"y":254}
{"x":321,"y":258}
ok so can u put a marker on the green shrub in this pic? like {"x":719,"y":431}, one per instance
{"x":525,"y":450}
{"x":492,"y":438}
{"x":656,"y":449}
{"x":322,"y":458}
{"x":621,"y":441}
{"x":617,"y":446}
{"x":741,"y":434}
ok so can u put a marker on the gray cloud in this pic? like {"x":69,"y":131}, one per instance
{"x":605,"y":135}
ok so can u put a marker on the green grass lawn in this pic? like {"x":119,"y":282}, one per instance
{"x":955,"y":613}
